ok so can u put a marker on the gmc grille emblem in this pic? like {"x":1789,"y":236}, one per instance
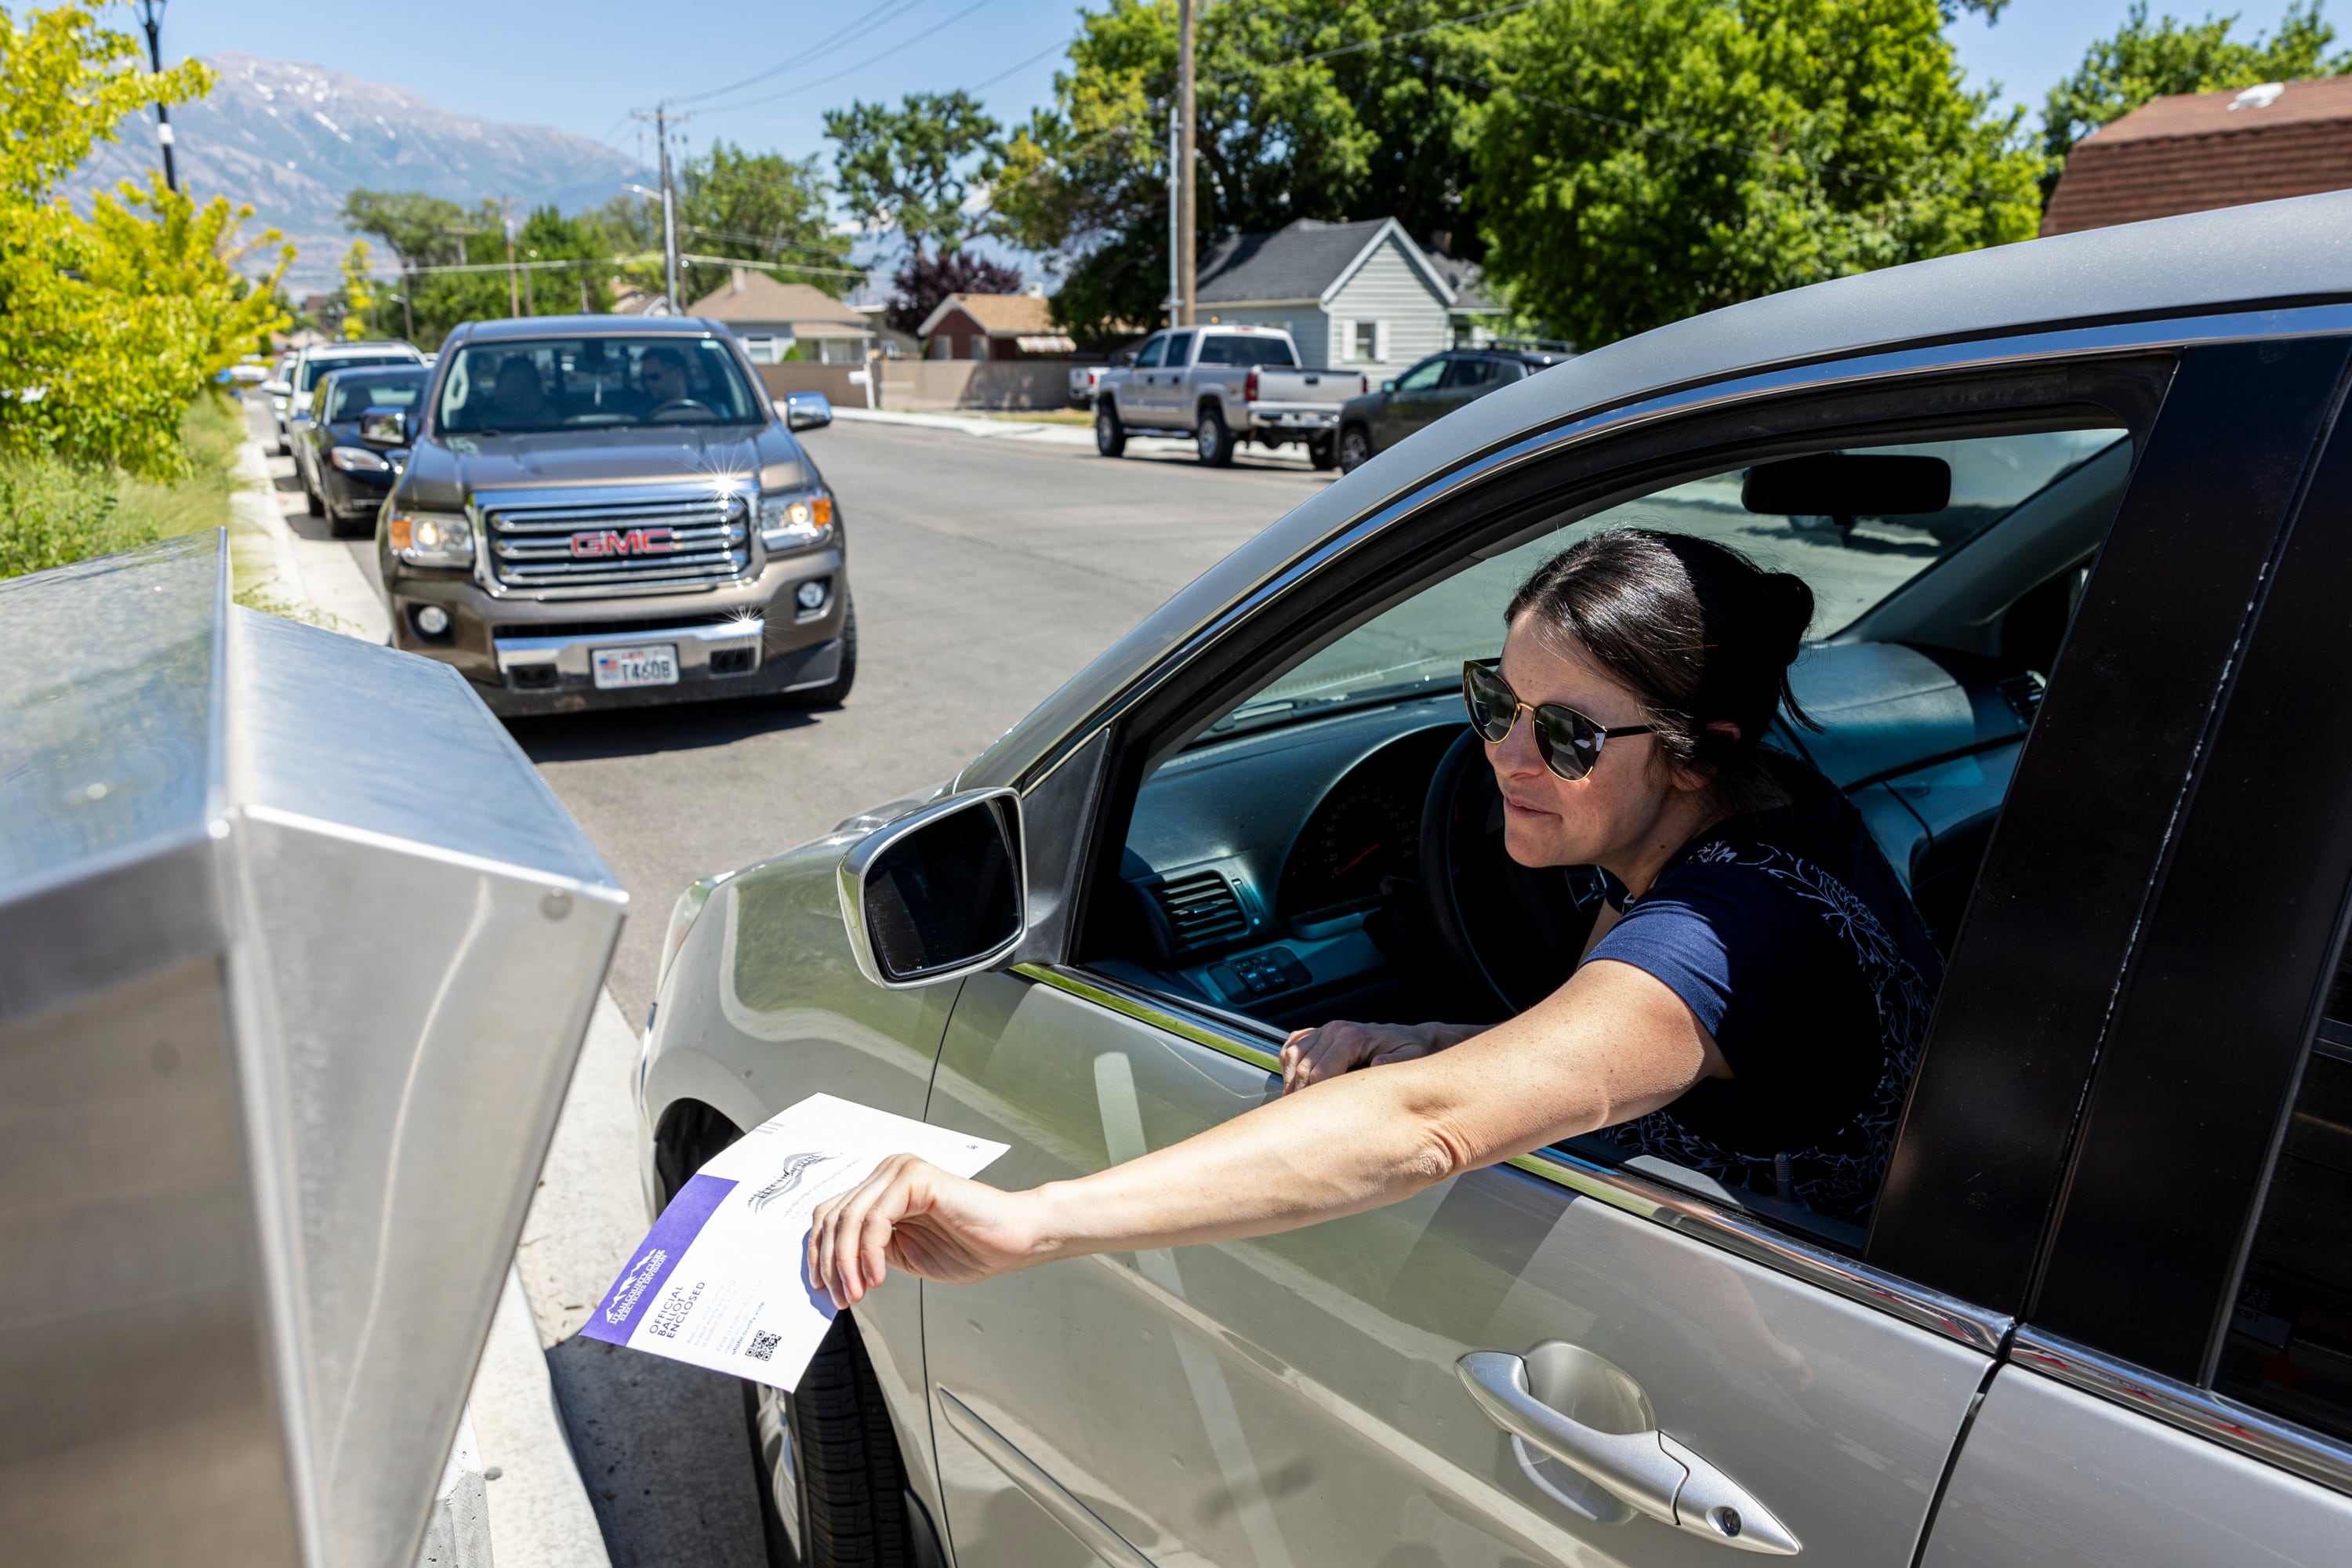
{"x":636,"y":541}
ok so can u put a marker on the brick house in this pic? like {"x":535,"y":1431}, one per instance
{"x":2201,"y":150}
{"x":992,"y":326}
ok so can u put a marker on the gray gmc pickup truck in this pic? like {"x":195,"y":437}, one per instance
{"x":605,"y":510}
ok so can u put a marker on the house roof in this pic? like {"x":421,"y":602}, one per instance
{"x":2201,"y":150}
{"x":999,"y":315}
{"x":1467,"y":281}
{"x":1302,"y":260}
{"x":751,"y":296}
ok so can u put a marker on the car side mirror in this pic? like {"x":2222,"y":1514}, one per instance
{"x":278,"y":388}
{"x":940,"y":893}
{"x":1389,"y":385}
{"x":807,"y":411}
{"x":384,"y":426}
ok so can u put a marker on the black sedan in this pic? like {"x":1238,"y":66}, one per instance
{"x":1430,"y":390}
{"x":345,"y":478}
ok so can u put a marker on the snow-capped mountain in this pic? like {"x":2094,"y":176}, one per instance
{"x":291,"y":139}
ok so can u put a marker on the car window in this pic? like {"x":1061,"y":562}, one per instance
{"x":1179,"y":349}
{"x":1473,"y":373}
{"x":1149,"y":359}
{"x":354,"y":397}
{"x":516,"y":385}
{"x":312,"y":369}
{"x":1423,"y":376}
{"x":1852,"y":564}
{"x":2289,"y":1346}
{"x":1237,"y":348}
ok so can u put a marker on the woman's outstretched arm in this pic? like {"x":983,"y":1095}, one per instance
{"x":1610,"y":1045}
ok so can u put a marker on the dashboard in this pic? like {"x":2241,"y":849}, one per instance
{"x":1275,"y":873}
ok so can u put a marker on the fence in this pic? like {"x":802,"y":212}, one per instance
{"x":931,"y":385}
{"x":833,"y":380}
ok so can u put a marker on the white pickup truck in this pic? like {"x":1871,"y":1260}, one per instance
{"x":1221,"y":387}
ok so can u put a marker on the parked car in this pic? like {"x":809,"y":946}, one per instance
{"x":1377,"y":420}
{"x":1221,"y":387}
{"x":289,"y":396}
{"x":344,"y":474}
{"x":1084,"y":378}
{"x":606,"y":511}
{"x":2096,"y":710}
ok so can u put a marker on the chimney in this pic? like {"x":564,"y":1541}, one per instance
{"x":1441,"y":241}
{"x":740,"y":280}
{"x":1035,"y":290}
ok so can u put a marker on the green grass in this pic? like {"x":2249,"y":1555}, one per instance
{"x":54,"y":512}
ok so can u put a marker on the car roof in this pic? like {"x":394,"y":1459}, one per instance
{"x":366,"y":372}
{"x":379,"y":350}
{"x":508,"y":330}
{"x":2266,"y":255}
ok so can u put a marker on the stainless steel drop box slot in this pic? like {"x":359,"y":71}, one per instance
{"x":296,"y":955}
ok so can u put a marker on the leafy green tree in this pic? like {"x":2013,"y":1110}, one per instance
{"x":1641,"y":160}
{"x":109,"y":326}
{"x":760,"y":207}
{"x":419,"y":230}
{"x":2143,"y":62}
{"x":911,"y":168}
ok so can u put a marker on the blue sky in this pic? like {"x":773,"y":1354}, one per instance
{"x":582,"y":66}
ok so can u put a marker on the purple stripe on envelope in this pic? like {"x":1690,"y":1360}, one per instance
{"x":640,"y":1283}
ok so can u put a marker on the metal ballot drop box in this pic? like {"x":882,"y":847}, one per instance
{"x":296,"y":955}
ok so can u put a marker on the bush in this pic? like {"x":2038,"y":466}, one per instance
{"x":54,"y":512}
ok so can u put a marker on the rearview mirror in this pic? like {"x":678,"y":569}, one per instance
{"x":807,"y":411}
{"x":1843,"y":485}
{"x":384,"y":426}
{"x":938,"y":894}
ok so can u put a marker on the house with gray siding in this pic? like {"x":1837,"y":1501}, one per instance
{"x":1357,"y":294}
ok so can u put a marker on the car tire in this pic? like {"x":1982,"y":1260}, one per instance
{"x":341,"y":527}
{"x":835,"y":692}
{"x":1110,"y":435}
{"x":1213,"y":440}
{"x":1355,"y":448}
{"x":312,"y":502}
{"x":833,"y":1484}
{"x":1324,"y":453}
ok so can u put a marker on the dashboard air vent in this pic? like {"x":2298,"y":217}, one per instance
{"x":1201,"y":911}
{"x":2024,"y":693}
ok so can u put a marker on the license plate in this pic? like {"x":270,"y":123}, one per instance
{"x":655,"y":664}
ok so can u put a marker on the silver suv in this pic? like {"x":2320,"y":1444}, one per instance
{"x":2097,"y":711}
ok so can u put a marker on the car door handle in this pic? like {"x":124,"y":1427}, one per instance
{"x":1638,"y":1465}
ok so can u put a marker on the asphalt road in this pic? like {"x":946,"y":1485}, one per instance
{"x":985,"y":574}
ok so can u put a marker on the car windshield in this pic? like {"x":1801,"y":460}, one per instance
{"x":354,"y":396}
{"x":312,"y":369}
{"x":1247,"y":349}
{"x":1852,"y":564}
{"x":571,"y":384}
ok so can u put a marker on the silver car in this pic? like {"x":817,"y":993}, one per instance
{"x":2097,"y":709}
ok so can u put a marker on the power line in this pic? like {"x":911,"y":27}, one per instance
{"x":890,"y":11}
{"x":1032,"y":59}
{"x":899,"y":47}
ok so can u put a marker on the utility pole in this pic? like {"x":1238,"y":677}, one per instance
{"x":407,"y":316}
{"x":151,"y":14}
{"x":1187,"y":206}
{"x":514,"y":289}
{"x":663,"y":120}
{"x":1175,"y":210}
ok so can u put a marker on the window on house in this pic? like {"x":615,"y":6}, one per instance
{"x":978,"y":345}
{"x":1367,"y":345}
{"x":943,"y":347}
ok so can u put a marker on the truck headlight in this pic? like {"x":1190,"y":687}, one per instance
{"x":794,"y":520}
{"x":432,"y":538}
{"x":357,"y":460}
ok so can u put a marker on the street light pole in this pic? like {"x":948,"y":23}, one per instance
{"x":1187,"y":208}
{"x":514,"y":292}
{"x":151,"y":14}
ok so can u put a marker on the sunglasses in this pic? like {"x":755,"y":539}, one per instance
{"x":1568,"y":742}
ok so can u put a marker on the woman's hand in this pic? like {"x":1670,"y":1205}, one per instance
{"x":911,"y":1214}
{"x":1311,"y":1055}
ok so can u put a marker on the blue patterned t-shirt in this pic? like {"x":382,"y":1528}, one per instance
{"x":1786,"y":933}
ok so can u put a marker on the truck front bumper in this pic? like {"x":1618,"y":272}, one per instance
{"x":527,"y":655}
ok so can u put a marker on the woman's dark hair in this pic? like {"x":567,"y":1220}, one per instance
{"x":1701,"y":634}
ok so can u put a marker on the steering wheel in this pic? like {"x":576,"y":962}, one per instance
{"x":689,"y":407}
{"x":1512,"y":934}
